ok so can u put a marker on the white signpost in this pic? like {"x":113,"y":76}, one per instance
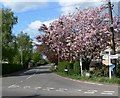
{"x":81,"y":66}
{"x":111,"y":66}
{"x":109,"y":57}
{"x":113,"y":56}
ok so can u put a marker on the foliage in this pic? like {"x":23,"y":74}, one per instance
{"x":76,"y":67}
{"x":36,"y":56}
{"x":42,"y":62}
{"x":82,"y":33}
{"x":24,"y":45}
{"x":118,"y":67}
{"x":10,"y":68}
{"x":70,"y":68}
{"x":62,"y":66}
{"x":51,"y":55}
{"x":52,"y":68}
{"x":101,"y":71}
{"x":17,"y":58}
{"x":8,"y":40}
{"x":114,"y":80}
{"x":73,"y":68}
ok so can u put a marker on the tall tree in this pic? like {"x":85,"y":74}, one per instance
{"x":84,"y":33}
{"x":24,"y":45}
{"x":8,"y":39}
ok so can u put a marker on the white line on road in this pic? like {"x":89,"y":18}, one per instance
{"x":89,"y":82}
{"x":79,"y":90}
{"x":29,"y":77}
{"x":13,"y":86}
{"x":89,"y":92}
{"x":61,"y":89}
{"x":50,"y":88}
{"x":46,"y":89}
{"x":26,"y":87}
{"x":37,"y":88}
{"x":92,"y":91}
{"x":99,"y":84}
{"x":107,"y":93}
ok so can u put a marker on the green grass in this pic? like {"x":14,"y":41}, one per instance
{"x":106,"y":80}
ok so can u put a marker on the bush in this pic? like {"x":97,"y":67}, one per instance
{"x":76,"y":67}
{"x":52,"y":69}
{"x":63,"y":65}
{"x":42,"y":62}
{"x":73,"y":68}
{"x":70,"y":68}
{"x":101,"y":71}
{"x":10,"y":68}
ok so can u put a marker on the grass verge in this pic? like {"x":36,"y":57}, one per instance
{"x":106,"y":80}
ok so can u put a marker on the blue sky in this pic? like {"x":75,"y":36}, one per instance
{"x":31,"y":14}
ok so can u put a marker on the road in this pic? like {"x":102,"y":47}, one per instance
{"x":39,"y":81}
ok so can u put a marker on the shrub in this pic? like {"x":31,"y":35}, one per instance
{"x":70,"y":68}
{"x":101,"y":71}
{"x":52,"y":68}
{"x":9,"y":68}
{"x":42,"y":62}
{"x":76,"y":67}
{"x":62,"y":65}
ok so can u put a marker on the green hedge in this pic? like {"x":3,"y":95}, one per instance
{"x":9,"y":68}
{"x":62,"y":66}
{"x":73,"y":68}
{"x":42,"y":62}
{"x":76,"y":67}
{"x":70,"y":68}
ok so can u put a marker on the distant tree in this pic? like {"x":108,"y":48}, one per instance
{"x":8,"y":39}
{"x":24,"y":45}
{"x":36,"y":56}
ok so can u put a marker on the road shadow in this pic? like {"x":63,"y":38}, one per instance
{"x":31,"y":96}
{"x":44,"y":69}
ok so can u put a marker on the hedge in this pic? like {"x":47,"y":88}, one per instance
{"x":10,"y":68}
{"x":62,"y":66}
{"x":76,"y":67}
{"x":73,"y":68}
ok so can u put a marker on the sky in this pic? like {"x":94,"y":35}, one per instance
{"x":32,"y":13}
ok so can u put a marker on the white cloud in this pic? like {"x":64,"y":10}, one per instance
{"x":47,"y":23}
{"x":33,"y":27}
{"x":69,"y":6}
{"x":21,"y":5}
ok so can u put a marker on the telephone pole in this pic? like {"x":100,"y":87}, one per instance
{"x":111,"y":27}
{"x":111,"y":30}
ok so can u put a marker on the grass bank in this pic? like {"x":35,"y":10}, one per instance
{"x":106,"y":80}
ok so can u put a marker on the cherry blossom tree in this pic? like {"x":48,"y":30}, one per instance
{"x":51,"y":55}
{"x":84,"y":33}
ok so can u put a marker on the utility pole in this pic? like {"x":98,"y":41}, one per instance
{"x":111,"y":29}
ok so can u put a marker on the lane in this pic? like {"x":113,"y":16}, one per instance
{"x":40,"y":81}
